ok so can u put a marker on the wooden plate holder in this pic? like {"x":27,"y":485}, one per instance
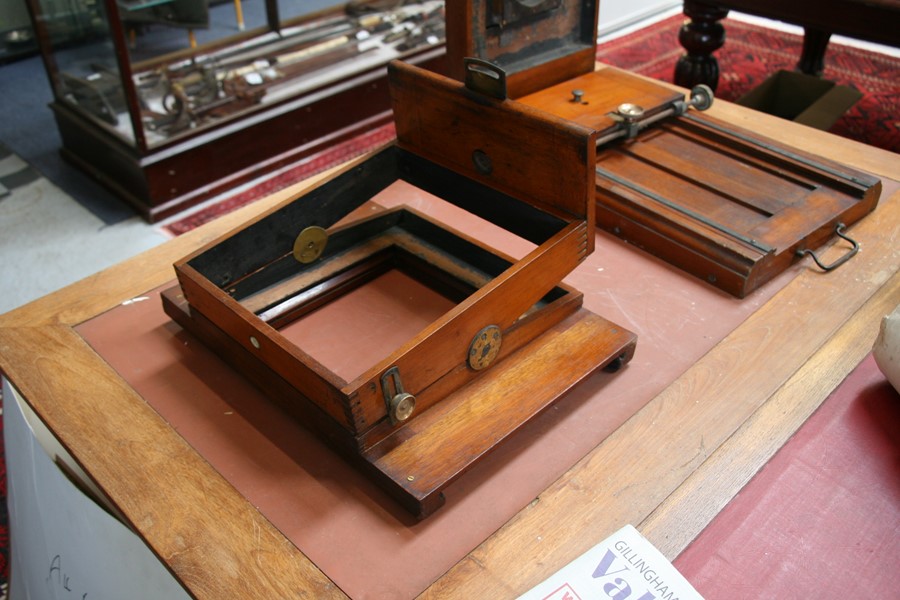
{"x":722,"y":203}
{"x":516,"y":340}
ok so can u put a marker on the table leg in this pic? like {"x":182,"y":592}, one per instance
{"x":812,"y":60}
{"x":239,"y":14}
{"x":701,"y":36}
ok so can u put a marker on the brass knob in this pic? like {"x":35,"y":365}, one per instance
{"x":630,"y":111}
{"x":402,"y":407}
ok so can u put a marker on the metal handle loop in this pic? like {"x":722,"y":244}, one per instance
{"x":839,"y":230}
{"x":400,"y":404}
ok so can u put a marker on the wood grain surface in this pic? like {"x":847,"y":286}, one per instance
{"x":669,"y":469}
{"x":645,"y":461}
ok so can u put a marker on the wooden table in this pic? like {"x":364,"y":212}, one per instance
{"x":708,"y":432}
{"x":870,"y":20}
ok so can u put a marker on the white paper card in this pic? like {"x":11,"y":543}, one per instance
{"x":64,"y":546}
{"x":624,"y":566}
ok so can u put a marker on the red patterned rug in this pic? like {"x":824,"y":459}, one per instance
{"x":308,"y":167}
{"x":751,"y":53}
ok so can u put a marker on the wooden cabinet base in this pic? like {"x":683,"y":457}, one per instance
{"x":509,"y":338}
{"x":417,"y":461}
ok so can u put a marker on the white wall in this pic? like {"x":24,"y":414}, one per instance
{"x":615,"y":14}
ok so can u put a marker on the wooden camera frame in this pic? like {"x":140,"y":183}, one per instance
{"x":514,"y":343}
{"x":718,"y":201}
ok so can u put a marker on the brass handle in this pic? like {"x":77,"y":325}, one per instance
{"x":485,"y":77}
{"x":839,"y":230}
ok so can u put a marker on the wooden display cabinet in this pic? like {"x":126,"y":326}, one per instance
{"x":165,"y":132}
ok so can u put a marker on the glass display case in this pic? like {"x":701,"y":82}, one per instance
{"x":169,"y":102}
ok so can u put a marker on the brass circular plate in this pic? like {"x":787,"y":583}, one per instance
{"x":485,"y":347}
{"x":310,"y":244}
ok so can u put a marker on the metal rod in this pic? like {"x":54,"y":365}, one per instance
{"x":622,"y":128}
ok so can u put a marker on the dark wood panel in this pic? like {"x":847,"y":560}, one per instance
{"x":873,"y":20}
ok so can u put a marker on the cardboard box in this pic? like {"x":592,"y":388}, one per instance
{"x":801,"y":98}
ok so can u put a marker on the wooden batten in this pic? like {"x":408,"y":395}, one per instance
{"x":601,"y":94}
{"x":723,"y":204}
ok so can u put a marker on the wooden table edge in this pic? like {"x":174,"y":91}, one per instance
{"x":161,"y":508}
{"x":718,"y":480}
{"x":575,"y":512}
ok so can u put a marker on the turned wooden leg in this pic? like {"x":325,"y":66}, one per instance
{"x":701,"y":36}
{"x":812,"y":60}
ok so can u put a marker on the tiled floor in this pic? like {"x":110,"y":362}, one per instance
{"x":14,"y":173}
{"x":47,"y":240}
